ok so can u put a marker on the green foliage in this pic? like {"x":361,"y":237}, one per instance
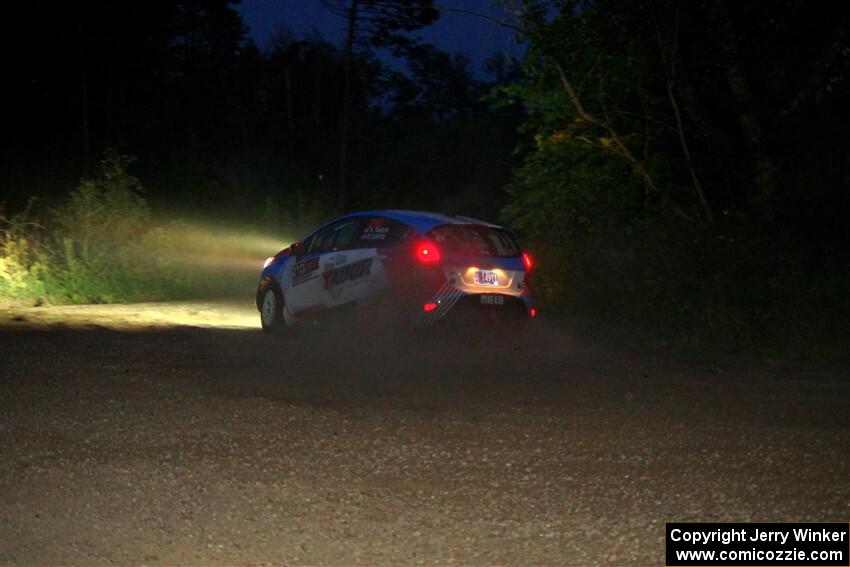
{"x":102,"y":246}
{"x":727,"y":290}
{"x":21,"y":261}
{"x":564,"y":198}
{"x":107,"y":210}
{"x":457,"y":167}
{"x":96,"y":248}
{"x":609,"y":248}
{"x":88,"y":249}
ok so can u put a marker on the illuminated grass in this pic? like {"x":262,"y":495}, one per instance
{"x":104,"y":245}
{"x":172,"y":260}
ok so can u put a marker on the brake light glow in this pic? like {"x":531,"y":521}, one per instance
{"x":533,"y":312}
{"x":526,"y":259}
{"x":429,"y":307}
{"x":268,"y":261}
{"x":427,"y":253}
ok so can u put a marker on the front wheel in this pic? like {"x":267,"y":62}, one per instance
{"x":271,"y":312}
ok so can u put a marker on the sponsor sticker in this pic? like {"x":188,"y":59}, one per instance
{"x":304,"y":271}
{"x":348,"y":272}
{"x":375,"y":230}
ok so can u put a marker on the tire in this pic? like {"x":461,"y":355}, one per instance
{"x":271,"y":311}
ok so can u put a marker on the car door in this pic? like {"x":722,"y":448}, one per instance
{"x":341,"y":268}
{"x":324,"y":253}
{"x":367,"y":254}
{"x":354,"y":269}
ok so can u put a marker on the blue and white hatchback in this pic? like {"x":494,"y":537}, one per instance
{"x":416,"y":267}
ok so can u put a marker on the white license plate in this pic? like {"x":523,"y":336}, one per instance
{"x":486,"y":277}
{"x":492,"y":300}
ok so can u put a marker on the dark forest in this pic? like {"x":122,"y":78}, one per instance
{"x":680,"y":170}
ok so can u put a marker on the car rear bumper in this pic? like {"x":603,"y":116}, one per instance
{"x":451,"y":304}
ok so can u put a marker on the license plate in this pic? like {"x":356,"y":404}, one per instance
{"x":486,"y":277}
{"x":492,"y":300}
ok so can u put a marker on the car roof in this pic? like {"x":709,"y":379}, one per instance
{"x":422,"y":221}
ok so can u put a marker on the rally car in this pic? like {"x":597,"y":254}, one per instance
{"x":419,"y":267}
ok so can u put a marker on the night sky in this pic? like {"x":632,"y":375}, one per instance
{"x":476,"y":38}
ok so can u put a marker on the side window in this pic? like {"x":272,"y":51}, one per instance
{"x":380,"y":232}
{"x":320,"y":241}
{"x":344,"y":234}
{"x":334,"y":237}
{"x":307,"y":243}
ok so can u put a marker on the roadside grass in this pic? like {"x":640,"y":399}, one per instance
{"x":103,"y":244}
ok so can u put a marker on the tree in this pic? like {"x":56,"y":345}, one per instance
{"x":440,"y":86}
{"x":375,"y":23}
{"x":767,"y":172}
{"x":698,"y":106}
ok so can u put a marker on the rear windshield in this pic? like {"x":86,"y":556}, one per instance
{"x":475,"y":240}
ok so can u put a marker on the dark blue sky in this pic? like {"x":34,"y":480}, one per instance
{"x":472,"y":36}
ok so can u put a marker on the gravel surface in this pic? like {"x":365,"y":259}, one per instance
{"x":128,"y":441}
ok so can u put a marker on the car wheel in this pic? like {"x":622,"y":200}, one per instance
{"x":271,"y":311}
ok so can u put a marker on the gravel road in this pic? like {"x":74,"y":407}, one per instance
{"x":129,"y":441}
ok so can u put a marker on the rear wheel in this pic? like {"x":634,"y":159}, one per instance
{"x":271,"y":311}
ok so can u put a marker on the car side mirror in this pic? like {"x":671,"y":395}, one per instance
{"x":297,"y":250}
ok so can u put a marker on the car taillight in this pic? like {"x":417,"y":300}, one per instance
{"x":533,"y":312}
{"x":427,"y":253}
{"x":526,"y":259}
{"x":429,"y":306}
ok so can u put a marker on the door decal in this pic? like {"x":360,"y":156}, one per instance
{"x":304,"y":271}
{"x":349,"y":272}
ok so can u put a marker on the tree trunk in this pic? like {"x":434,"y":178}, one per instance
{"x":671,"y":63}
{"x":84,"y":108}
{"x":85,"y":136}
{"x":287,"y":79}
{"x":621,"y":148}
{"x":346,"y":104}
{"x":766,"y":171}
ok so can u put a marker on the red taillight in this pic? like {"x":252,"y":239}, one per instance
{"x":533,"y":312}
{"x":429,"y":307}
{"x":427,"y":253}
{"x":526,"y":259}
